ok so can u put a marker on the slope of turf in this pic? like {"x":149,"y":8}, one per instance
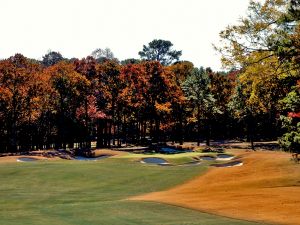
{"x":179,"y":158}
{"x":72,"y":192}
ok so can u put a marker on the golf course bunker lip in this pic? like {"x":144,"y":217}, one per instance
{"x":26,"y":159}
{"x":155,"y":160}
{"x":82,"y":158}
{"x":229,"y":164}
{"x":207,"y":157}
{"x":224,"y":157}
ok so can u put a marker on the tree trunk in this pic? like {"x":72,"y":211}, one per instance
{"x":124,"y":129}
{"x":87,"y":123}
{"x":157,"y":131}
{"x":113,"y":123}
{"x":13,"y":138}
{"x":99,"y":134}
{"x":251,"y":124}
{"x":208,"y":133}
{"x":198,"y":121}
{"x":180,"y":131}
{"x":105,"y":134}
{"x":118,"y":128}
{"x":109,"y":134}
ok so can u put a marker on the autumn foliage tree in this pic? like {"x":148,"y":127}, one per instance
{"x":21,"y":97}
{"x":149,"y":94}
{"x":70,"y":88}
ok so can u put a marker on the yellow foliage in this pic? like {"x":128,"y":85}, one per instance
{"x":260,"y":82}
{"x":163,"y":107}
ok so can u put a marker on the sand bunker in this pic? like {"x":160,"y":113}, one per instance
{"x":207,"y":158}
{"x":229,"y":164}
{"x":220,"y":157}
{"x":163,"y":162}
{"x":26,"y":159}
{"x":224,"y":157}
{"x":155,"y":160}
{"x":82,"y":158}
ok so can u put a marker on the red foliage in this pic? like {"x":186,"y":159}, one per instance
{"x":90,"y":112}
{"x":294,"y":115}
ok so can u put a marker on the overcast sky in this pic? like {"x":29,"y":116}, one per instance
{"x":77,"y":27}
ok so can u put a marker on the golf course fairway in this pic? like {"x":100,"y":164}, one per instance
{"x":79,"y":192}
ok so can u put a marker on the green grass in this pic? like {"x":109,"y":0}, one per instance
{"x":90,"y":193}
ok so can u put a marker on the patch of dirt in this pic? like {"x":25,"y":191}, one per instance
{"x":266,"y":188}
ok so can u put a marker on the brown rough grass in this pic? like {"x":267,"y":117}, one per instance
{"x":266,"y":189}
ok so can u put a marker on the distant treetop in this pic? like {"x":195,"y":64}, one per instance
{"x":52,"y":58}
{"x":102,"y":55}
{"x":160,"y":50}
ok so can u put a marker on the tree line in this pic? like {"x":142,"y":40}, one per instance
{"x":59,"y":102}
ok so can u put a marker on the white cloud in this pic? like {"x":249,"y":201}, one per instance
{"x":76,"y":28}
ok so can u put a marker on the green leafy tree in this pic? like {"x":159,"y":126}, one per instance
{"x":197,"y":90}
{"x":242,"y":111}
{"x":290,"y":119}
{"x":130,"y":61}
{"x":102,"y":55}
{"x":161,"y":51}
{"x":181,"y":71}
{"x":52,"y":58}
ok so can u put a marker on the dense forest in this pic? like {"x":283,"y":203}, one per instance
{"x":66,"y":103}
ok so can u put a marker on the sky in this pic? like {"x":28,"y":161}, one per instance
{"x":77,"y":27}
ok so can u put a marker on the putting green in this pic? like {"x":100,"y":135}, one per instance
{"x":171,"y":158}
{"x":75,"y":192}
